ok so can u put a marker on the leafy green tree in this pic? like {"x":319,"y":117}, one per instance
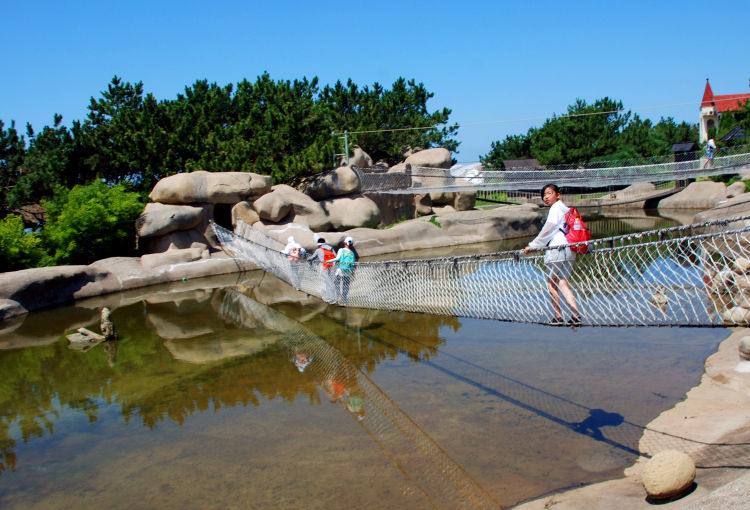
{"x":388,"y":114}
{"x":592,"y":133}
{"x":12,"y":154}
{"x":91,"y":222}
{"x":278,"y":128}
{"x":513,"y":147}
{"x":585,"y":133}
{"x":667,"y":133}
{"x":737,"y":118}
{"x":48,"y":163}
{"x":18,"y":249}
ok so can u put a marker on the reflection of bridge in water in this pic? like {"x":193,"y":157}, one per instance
{"x":423,"y":463}
{"x":428,"y":466}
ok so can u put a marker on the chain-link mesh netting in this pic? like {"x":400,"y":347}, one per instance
{"x":692,"y":275}
{"x":427,"y":468}
{"x":431,"y":180}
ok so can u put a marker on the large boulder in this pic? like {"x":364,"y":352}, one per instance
{"x":464,"y":200}
{"x":300,"y":208}
{"x":460,"y":200}
{"x":44,"y":286}
{"x":732,"y":208}
{"x":275,"y":206}
{"x":244,"y":211}
{"x":735,"y":189}
{"x":668,"y":475}
{"x":360,"y":158}
{"x":158,"y":219}
{"x":337,"y":182}
{"x":210,"y":187}
{"x":398,"y":168}
{"x":181,"y":239}
{"x":439,"y":197}
{"x":449,"y":229}
{"x":352,"y":212}
{"x":432,"y":158}
{"x":423,"y":204}
{"x":698,"y":195}
{"x":201,"y":233}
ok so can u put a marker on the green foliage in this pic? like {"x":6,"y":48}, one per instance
{"x":46,"y":165}
{"x":370,"y":109}
{"x":12,"y":153}
{"x":591,"y":133}
{"x":434,"y":221}
{"x":91,"y":222}
{"x":279,"y":128}
{"x":738,"y":118}
{"x":18,"y":249}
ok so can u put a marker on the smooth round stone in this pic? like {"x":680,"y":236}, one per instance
{"x":668,"y":474}
{"x":745,"y":347}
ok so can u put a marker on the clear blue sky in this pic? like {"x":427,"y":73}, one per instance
{"x":487,"y":61}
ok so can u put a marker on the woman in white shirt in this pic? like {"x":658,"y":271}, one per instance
{"x":558,"y":261}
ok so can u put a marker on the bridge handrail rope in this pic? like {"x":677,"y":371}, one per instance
{"x":694,"y":275}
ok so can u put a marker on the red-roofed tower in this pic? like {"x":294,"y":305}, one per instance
{"x":711,"y":109}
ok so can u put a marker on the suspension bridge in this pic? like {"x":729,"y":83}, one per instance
{"x":419,"y":180}
{"x":694,"y":275}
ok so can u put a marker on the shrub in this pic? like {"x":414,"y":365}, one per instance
{"x":18,"y":249}
{"x":88,"y":223}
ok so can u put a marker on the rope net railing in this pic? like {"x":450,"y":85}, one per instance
{"x":427,"y":468}
{"x":431,"y":180}
{"x":693,"y":275}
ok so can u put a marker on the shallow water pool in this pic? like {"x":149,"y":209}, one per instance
{"x":240,"y":393}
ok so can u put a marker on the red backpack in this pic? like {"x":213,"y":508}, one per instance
{"x":575,"y":231}
{"x":327,"y":255}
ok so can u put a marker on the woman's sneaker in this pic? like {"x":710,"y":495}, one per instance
{"x":575,"y":321}
{"x":556,"y":321}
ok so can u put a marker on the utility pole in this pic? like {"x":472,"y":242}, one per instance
{"x":346,"y":146}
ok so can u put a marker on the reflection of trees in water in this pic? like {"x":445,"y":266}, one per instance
{"x":142,"y":376}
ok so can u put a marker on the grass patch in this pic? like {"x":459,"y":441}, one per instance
{"x":403,"y":219}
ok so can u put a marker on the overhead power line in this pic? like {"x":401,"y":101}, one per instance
{"x":529,"y":119}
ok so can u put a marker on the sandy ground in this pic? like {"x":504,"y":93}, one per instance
{"x":712,"y":425}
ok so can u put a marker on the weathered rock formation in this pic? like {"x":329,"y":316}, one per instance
{"x":698,"y":195}
{"x":210,"y":187}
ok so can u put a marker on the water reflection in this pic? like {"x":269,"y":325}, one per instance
{"x":430,"y":470}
